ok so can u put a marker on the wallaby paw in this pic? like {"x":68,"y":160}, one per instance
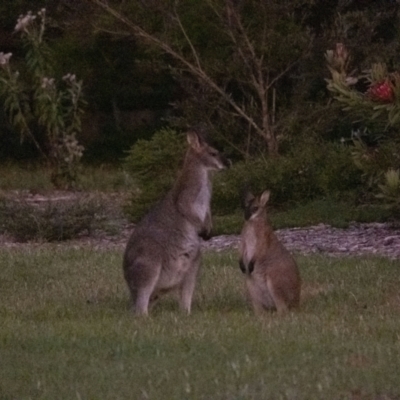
{"x":205,"y":235}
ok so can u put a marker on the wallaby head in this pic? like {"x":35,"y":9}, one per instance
{"x":255,"y":206}
{"x":272,"y":276}
{"x":163,"y":252}
{"x":203,"y":153}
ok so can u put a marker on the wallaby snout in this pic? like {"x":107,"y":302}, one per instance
{"x":163,"y":252}
{"x":272,"y":275}
{"x":209,"y":157}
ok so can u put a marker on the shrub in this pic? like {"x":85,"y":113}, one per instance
{"x":153,"y":165}
{"x":35,"y":101}
{"x":377,"y":107}
{"x":310,"y":171}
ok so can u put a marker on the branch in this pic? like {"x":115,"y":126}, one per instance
{"x":195,"y":70}
{"x":259,"y":81}
{"x":232,"y":21}
{"x":194,"y":52}
{"x":282,"y":73}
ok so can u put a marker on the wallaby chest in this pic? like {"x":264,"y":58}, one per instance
{"x":201,"y":201}
{"x":248,"y":243}
{"x":202,"y":204}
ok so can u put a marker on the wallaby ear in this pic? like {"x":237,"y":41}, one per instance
{"x":248,"y":198}
{"x":264,"y":198}
{"x":194,"y":140}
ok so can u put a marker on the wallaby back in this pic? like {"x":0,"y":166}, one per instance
{"x":163,"y":252}
{"x":272,"y":275}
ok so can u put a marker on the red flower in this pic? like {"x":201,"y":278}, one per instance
{"x":381,"y":91}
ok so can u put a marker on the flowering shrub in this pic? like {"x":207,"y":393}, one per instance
{"x":381,"y":92}
{"x":381,"y":101}
{"x":378,"y":105}
{"x":36,"y":101}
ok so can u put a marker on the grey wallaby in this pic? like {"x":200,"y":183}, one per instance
{"x":272,"y":275}
{"x":163,"y":252}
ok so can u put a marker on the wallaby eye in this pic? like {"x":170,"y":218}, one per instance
{"x":214,"y":153}
{"x":250,"y":211}
{"x":253,"y":210}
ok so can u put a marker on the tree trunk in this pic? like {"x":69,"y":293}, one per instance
{"x":268,"y":131}
{"x":272,"y":143}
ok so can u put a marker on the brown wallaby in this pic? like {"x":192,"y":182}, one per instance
{"x":163,"y":253}
{"x":272,"y":276}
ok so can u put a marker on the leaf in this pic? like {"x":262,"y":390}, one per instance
{"x":382,"y":107}
{"x":395,"y":119}
{"x":376,"y":114}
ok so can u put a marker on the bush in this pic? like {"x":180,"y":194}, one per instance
{"x":153,"y":165}
{"x":37,"y":103}
{"x":310,"y":171}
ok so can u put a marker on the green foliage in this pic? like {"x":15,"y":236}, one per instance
{"x":34,"y":102}
{"x":311,"y":170}
{"x":376,"y":105}
{"x":153,"y":165}
{"x":238,"y":99}
{"x":390,"y":189}
{"x":375,"y":161}
{"x":379,"y":110}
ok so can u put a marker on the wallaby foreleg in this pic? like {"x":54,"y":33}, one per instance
{"x":242,"y":266}
{"x":205,"y":232}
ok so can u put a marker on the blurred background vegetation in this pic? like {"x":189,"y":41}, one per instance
{"x":252,"y":73}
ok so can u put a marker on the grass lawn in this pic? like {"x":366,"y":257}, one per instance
{"x":66,"y":332}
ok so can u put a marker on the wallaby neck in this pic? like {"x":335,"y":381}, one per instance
{"x":194,"y":175}
{"x":264,"y":230}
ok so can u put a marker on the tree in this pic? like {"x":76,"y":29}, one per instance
{"x":239,"y":72}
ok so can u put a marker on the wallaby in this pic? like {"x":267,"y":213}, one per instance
{"x":272,"y":276}
{"x":163,"y":252}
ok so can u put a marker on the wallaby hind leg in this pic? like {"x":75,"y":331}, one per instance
{"x":278,"y":297}
{"x":257,"y":297}
{"x":143,"y":300}
{"x":188,"y":285}
{"x":142,"y":286}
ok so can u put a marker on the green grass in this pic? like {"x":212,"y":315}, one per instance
{"x":66,"y":332}
{"x":35,"y":177}
{"x":337,"y":214}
